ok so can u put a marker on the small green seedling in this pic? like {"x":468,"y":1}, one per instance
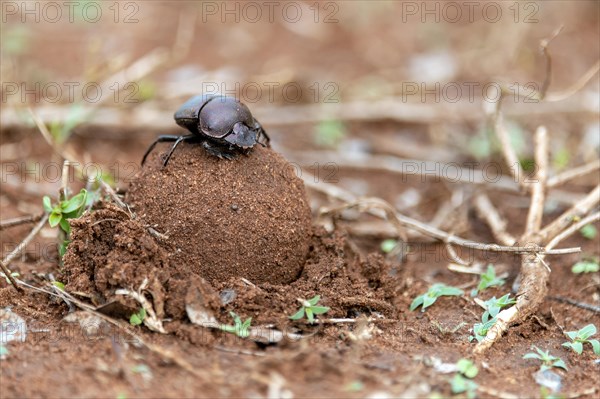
{"x":433,"y":293}
{"x":238,"y":328}
{"x":480,"y":330}
{"x":310,"y":309}
{"x":493,"y":306}
{"x":589,"y":265}
{"x":589,"y":231}
{"x":3,"y":352}
{"x":138,"y":318}
{"x":488,"y":279}
{"x":461,"y":382}
{"x":548,"y":361}
{"x":580,"y":337}
{"x":64,"y":210}
{"x":388,"y":245}
{"x":59,"y":285}
{"x":329,"y":133}
{"x":12,"y":274}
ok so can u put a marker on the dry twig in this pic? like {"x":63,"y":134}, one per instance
{"x":17,"y":251}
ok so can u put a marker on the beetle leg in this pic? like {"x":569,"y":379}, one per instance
{"x":218,"y":151}
{"x":179,"y":140}
{"x":159,"y":139}
{"x":261,"y":132}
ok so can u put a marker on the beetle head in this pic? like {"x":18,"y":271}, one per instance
{"x":242,"y":136}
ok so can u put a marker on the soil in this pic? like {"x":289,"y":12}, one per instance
{"x":248,"y":217}
{"x":398,"y":353}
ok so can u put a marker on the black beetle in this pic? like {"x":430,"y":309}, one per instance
{"x":223,"y":125}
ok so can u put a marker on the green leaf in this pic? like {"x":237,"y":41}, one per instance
{"x":585,"y":266}
{"x":576,"y":346}
{"x":309,"y":315}
{"x":74,"y":203}
{"x":586,"y":332}
{"x":589,"y":231}
{"x":135,"y":320}
{"x":388,"y":246}
{"x":319,"y":309}
{"x":59,"y":285}
{"x":418,"y":301}
{"x":451,"y":291}
{"x":314,"y":300}
{"x":572,"y":335}
{"x":595,"y":346}
{"x":54,"y":219}
{"x":329,"y":133}
{"x":428,"y":301}
{"x":531,"y":355}
{"x":247,"y":323}
{"x":47,"y":204}
{"x":65,"y":226}
{"x":298,"y":315}
{"x":62,"y":248}
{"x":559,"y":363}
{"x":467,"y":368}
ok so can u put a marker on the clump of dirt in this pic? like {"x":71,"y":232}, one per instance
{"x":248,"y":217}
{"x":109,"y":250}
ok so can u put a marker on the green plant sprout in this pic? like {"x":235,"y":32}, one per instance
{"x":309,"y":308}
{"x":548,"y":361}
{"x":238,"y":328}
{"x":3,"y":352}
{"x":580,"y":337}
{"x":488,"y":279}
{"x":433,"y":293}
{"x":61,"y":212}
{"x":589,"y":231}
{"x":59,"y":285}
{"x":586,"y":265}
{"x":462,"y":380}
{"x":480,"y":330}
{"x":493,"y":306}
{"x":138,"y":318}
{"x":388,"y":245}
{"x":329,"y":133}
{"x":64,"y":210}
{"x":14,"y":275}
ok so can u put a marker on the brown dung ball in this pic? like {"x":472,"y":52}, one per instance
{"x":248,"y":217}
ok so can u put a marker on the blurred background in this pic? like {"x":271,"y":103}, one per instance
{"x":347,"y":90}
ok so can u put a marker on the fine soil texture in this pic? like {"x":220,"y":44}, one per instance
{"x":247,"y":217}
{"x":361,"y":98}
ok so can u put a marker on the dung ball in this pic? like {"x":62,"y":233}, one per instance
{"x":247,"y":217}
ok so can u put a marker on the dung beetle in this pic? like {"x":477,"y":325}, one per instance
{"x":223,"y":125}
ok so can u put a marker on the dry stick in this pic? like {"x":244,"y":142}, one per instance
{"x":576,"y":211}
{"x":583,"y":80}
{"x":430,"y":170}
{"x":9,"y":258}
{"x":538,"y":188}
{"x":488,"y":212}
{"x":544,"y":47}
{"x":508,"y":151}
{"x":594,"y":217}
{"x":166,"y":354}
{"x":534,"y":276}
{"x":7,"y":223}
{"x":405,"y":221}
{"x":574,"y":173}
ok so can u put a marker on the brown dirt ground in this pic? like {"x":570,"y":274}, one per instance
{"x":59,"y":360}
{"x":351,"y":278}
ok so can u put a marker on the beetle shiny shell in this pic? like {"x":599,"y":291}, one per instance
{"x":223,"y":125}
